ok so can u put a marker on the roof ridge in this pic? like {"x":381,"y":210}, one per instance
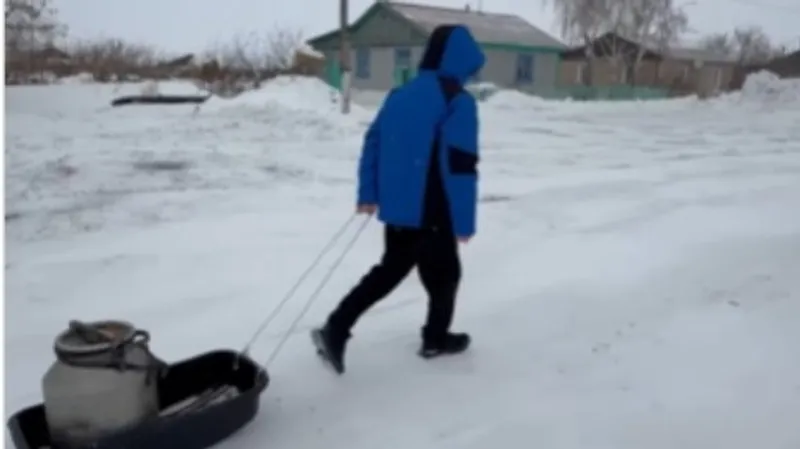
{"x":391,"y":3}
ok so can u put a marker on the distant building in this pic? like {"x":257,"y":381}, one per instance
{"x":389,"y":38}
{"x":681,"y":70}
{"x":787,"y":66}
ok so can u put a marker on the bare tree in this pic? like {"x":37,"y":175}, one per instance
{"x":719,"y":44}
{"x":753,"y":46}
{"x":649,"y":24}
{"x":784,"y":49}
{"x":747,"y":45}
{"x":654,"y":25}
{"x":258,"y":55}
{"x":246,"y":60}
{"x":31,"y":27}
{"x":32,"y":24}
{"x":581,"y":21}
{"x":113,"y":58}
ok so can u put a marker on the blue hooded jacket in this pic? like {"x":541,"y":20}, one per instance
{"x":413,"y":120}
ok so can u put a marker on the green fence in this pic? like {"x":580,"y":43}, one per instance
{"x":333,"y":73}
{"x":619,"y":92}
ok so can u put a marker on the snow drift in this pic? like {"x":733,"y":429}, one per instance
{"x":291,"y":104}
{"x":762,"y":87}
{"x":297,"y":93}
{"x":765,"y":86}
{"x":510,"y":99}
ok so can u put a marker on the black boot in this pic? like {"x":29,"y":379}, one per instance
{"x":450,"y":343}
{"x":331,"y":344}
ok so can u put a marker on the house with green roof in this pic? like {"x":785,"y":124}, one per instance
{"x":388,"y":40}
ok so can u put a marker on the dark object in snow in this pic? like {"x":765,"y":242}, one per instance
{"x":204,"y":400}
{"x":332,"y":355}
{"x":162,"y":165}
{"x":159,"y":99}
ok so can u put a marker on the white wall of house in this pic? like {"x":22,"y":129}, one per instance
{"x":530,"y":72}
{"x":374,"y":68}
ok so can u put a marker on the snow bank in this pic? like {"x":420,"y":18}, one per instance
{"x":514,"y":100}
{"x":163,"y":87}
{"x":140,"y":87}
{"x":482,"y":90}
{"x":293,"y":102}
{"x":765,"y":86}
{"x":308,"y":50}
{"x":511,"y":99}
{"x":150,"y":88}
{"x":295,"y":93}
{"x":80,"y":78}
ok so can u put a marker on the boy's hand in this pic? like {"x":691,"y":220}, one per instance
{"x":368,"y":209}
{"x":464,"y":239}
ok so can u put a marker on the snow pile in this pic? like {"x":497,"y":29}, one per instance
{"x":509,"y":99}
{"x":160,"y":87}
{"x":298,"y":93}
{"x":150,"y":88}
{"x":80,"y":78}
{"x":482,"y":90}
{"x":308,"y":50}
{"x":765,"y":86}
{"x":290,"y":104}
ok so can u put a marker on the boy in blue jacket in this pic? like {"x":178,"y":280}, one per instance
{"x":418,"y":171}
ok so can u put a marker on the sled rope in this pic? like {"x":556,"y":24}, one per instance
{"x":276,"y":310}
{"x":313,"y":297}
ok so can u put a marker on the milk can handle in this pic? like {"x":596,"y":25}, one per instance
{"x":140,"y":337}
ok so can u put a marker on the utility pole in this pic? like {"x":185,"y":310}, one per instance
{"x":344,"y":61}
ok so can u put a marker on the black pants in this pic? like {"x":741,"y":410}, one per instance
{"x":434,"y":253}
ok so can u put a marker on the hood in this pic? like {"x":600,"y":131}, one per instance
{"x":452,"y":52}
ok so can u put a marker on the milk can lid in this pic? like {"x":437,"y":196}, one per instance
{"x":95,"y":336}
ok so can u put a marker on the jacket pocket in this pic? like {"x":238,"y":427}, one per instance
{"x":462,"y":162}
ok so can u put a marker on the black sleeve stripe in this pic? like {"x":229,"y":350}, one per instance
{"x":462,"y":162}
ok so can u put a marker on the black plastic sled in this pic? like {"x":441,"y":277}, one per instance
{"x":159,"y":99}
{"x":204,"y":382}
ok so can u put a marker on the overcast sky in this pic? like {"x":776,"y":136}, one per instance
{"x":193,"y":25}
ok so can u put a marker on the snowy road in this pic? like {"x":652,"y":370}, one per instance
{"x":634,"y":284}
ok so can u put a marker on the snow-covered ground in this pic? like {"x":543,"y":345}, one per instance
{"x":635,"y":283}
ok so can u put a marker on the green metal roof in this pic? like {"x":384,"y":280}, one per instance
{"x":490,"y":29}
